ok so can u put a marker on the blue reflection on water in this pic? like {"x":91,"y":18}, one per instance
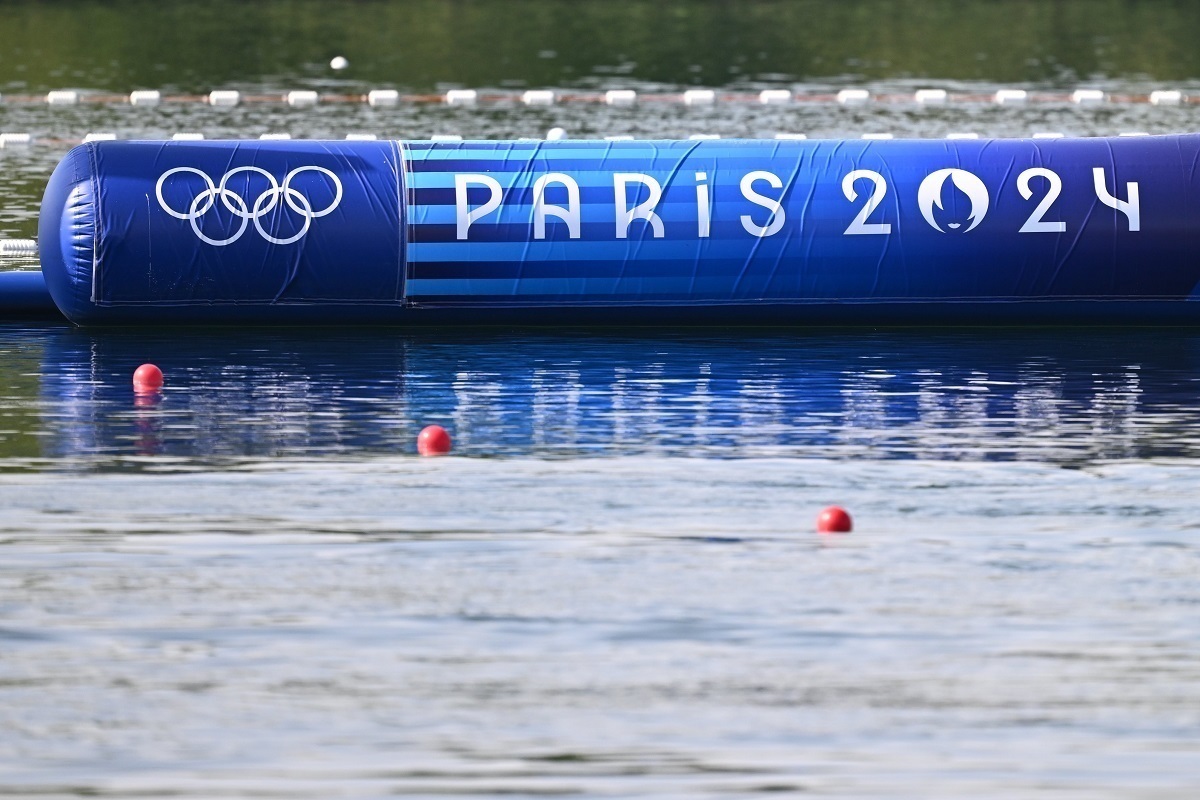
{"x":1064,"y":395}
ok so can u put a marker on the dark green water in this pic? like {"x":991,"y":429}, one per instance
{"x":422,"y":44}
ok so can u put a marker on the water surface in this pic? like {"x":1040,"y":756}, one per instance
{"x":248,"y":585}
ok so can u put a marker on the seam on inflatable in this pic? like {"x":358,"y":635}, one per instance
{"x":410,"y":202}
{"x":656,"y":302}
{"x":307,"y":301}
{"x":97,"y":219}
{"x":839,"y":301}
{"x":402,"y":183}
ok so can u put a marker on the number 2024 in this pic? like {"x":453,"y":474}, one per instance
{"x":975,"y":189}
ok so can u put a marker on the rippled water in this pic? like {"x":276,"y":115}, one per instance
{"x":249,"y":585}
{"x":637,"y":626}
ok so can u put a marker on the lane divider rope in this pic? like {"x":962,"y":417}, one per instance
{"x":14,"y":141}
{"x":386,"y":98}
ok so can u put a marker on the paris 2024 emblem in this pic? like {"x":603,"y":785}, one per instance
{"x":929,"y":197}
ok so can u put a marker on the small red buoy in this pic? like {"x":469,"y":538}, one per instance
{"x":834,"y":520}
{"x":433,"y":441}
{"x":147,"y":378}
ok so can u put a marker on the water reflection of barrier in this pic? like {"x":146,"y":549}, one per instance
{"x":1064,"y":396}
{"x":707,"y":232}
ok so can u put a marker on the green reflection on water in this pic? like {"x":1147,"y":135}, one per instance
{"x":20,"y":410}
{"x":419,"y":44}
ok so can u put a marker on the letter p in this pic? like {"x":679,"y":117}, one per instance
{"x":466,"y":216}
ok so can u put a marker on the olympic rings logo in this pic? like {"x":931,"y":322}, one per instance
{"x":247,"y":213}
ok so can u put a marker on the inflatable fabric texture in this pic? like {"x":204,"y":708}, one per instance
{"x":632,"y":232}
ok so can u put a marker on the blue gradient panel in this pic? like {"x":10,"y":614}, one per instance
{"x":859,"y":221}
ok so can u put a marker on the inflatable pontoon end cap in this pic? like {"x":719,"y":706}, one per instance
{"x":67,"y":233}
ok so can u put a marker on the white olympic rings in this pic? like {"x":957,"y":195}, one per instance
{"x":266,"y":202}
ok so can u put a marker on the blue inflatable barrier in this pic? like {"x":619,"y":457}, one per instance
{"x":718,"y":231}
{"x":23,"y":294}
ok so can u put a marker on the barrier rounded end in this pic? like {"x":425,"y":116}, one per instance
{"x":67,"y":234}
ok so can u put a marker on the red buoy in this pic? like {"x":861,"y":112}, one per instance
{"x":147,"y":378}
{"x":834,"y":520}
{"x":433,"y":441}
